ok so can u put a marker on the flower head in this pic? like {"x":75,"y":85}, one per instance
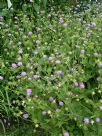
{"x":35,"y":76}
{"x":14,"y":65}
{"x":93,"y":24}
{"x":100,"y":107}
{"x":100,"y":64}
{"x":97,"y":120}
{"x":82,"y":85}
{"x":66,"y":134}
{"x":61,"y":103}
{"x":29,"y":91}
{"x":82,"y":51}
{"x":19,"y":64}
{"x":51,"y":99}
{"x":25,"y":116}
{"x":76,"y":84}
{"x":20,"y":51}
{"x":86,"y":120}
{"x":44,"y":113}
{"x":57,"y":61}
{"x":1,"y":78}
{"x":23,"y":73}
{"x":59,"y":72}
{"x":30,"y":33}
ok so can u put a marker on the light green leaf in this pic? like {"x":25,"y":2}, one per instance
{"x":9,"y":3}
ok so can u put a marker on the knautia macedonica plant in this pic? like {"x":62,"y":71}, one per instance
{"x":51,"y":71}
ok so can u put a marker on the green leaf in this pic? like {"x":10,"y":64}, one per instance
{"x":9,"y":3}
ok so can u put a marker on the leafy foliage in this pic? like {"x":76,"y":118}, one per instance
{"x":50,"y":70}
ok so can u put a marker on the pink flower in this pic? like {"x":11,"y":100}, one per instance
{"x":60,"y":72}
{"x":86,"y":120}
{"x":82,"y":51}
{"x":50,"y":58}
{"x":23,"y":73}
{"x":30,"y":33}
{"x":1,"y":78}
{"x":44,"y":113}
{"x":93,"y":24}
{"x":100,"y":107}
{"x":29,"y":78}
{"x":100,"y":64}
{"x":61,"y":20}
{"x":82,"y":85}
{"x":14,"y":65}
{"x":31,"y":0}
{"x":51,"y":99}
{"x":29,"y":91}
{"x":97,"y":120}
{"x":35,"y":76}
{"x":61,"y":103}
{"x":66,"y":134}
{"x":57,"y":61}
{"x":20,"y":51}
{"x":76,"y":84}
{"x":19,"y":64}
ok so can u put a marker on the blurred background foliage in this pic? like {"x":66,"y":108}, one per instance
{"x":40,"y":4}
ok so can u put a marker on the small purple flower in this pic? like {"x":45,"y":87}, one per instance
{"x":95,"y":54}
{"x":100,"y":107}
{"x":15,"y":17}
{"x":1,"y":23}
{"x":29,"y":91}
{"x":82,"y":51}
{"x":19,"y":64}
{"x":57,"y":110}
{"x":93,"y":24}
{"x":29,"y":78}
{"x":20,"y":51}
{"x":59,"y":72}
{"x":81,"y":85}
{"x":100,"y":64}
{"x":44,"y":113}
{"x":14,"y":65}
{"x":76,"y":84}
{"x":1,"y":17}
{"x":23,"y":73}
{"x":61,"y":103}
{"x":97,"y":120}
{"x":30,"y":33}
{"x":55,"y":15}
{"x":86,"y":120}
{"x":57,"y":61}
{"x":35,"y":76}
{"x":66,"y":134}
{"x":61,"y":20}
{"x":30,"y":0}
{"x":70,"y":93}
{"x":51,"y":99}
{"x":85,"y":42}
{"x":49,"y":58}
{"x":49,"y":15}
{"x":25,"y":116}
{"x":97,"y":78}
{"x":1,"y":78}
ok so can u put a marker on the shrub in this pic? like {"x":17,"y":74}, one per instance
{"x":51,"y":71}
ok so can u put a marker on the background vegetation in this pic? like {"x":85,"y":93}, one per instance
{"x":51,"y":69}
